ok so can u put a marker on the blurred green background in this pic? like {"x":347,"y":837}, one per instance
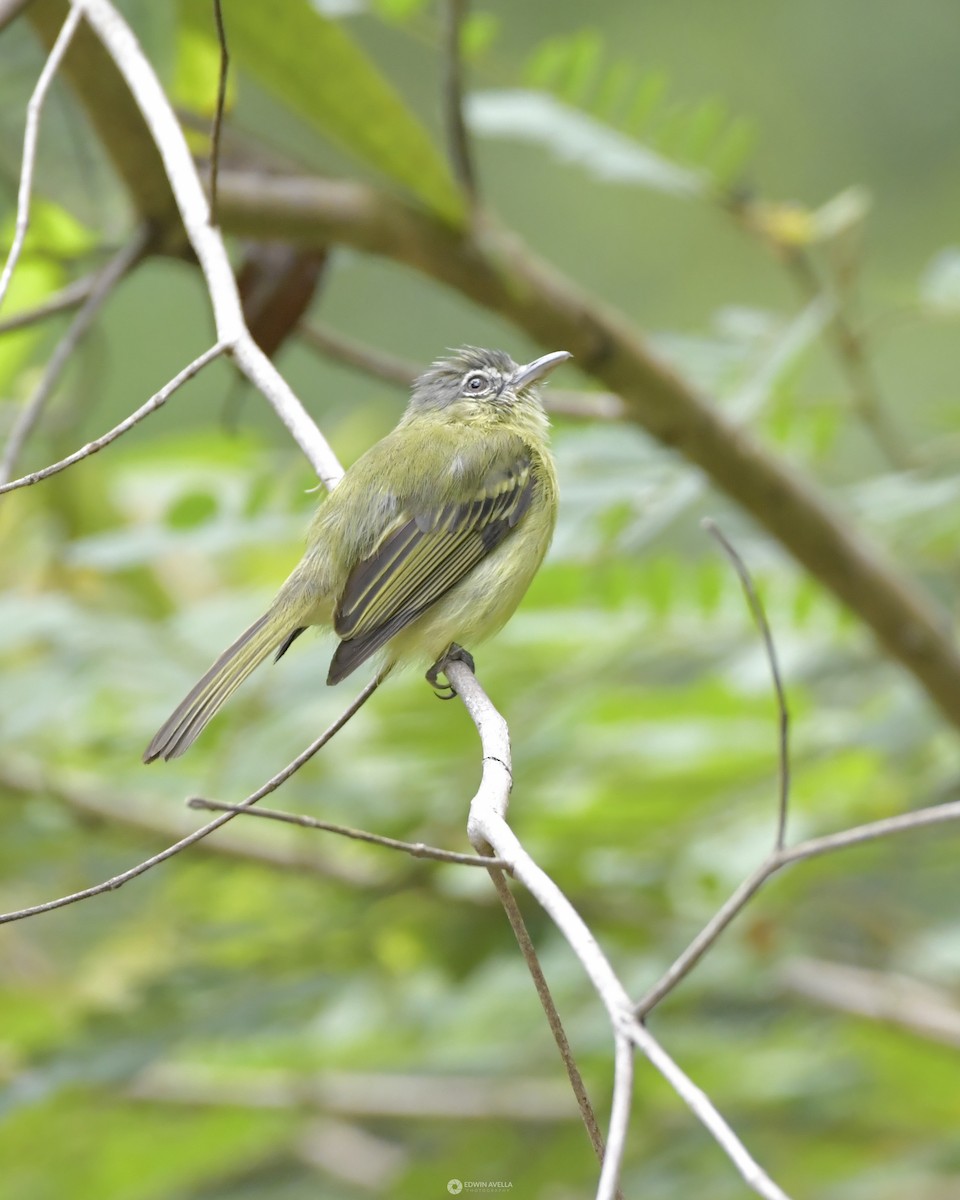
{"x":233,"y":1024}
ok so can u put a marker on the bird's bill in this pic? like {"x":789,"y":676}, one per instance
{"x":532,"y":371}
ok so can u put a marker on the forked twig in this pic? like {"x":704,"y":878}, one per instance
{"x":103,"y":285}
{"x":415,"y":849}
{"x":111,"y":885}
{"x":527,"y":949}
{"x":780,"y":855}
{"x":194,"y":209}
{"x":157,"y":400}
{"x":487,"y":827}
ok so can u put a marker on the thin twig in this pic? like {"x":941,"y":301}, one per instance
{"x":910,"y":1004}
{"x":207,"y":243}
{"x":496,"y":269}
{"x":67,"y":298}
{"x":938,"y":814}
{"x":487,"y":827}
{"x":218,"y":115}
{"x":455,"y":12}
{"x":416,"y":849}
{"x":271,"y":785}
{"x":529,"y":953}
{"x":851,"y":354}
{"x":783,"y":714}
{"x":353,"y":353}
{"x":30,"y":136}
{"x":93,"y":803}
{"x":156,"y":401}
{"x":103,"y":285}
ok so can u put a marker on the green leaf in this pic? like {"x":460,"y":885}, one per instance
{"x":311,"y":64}
{"x":575,"y":137}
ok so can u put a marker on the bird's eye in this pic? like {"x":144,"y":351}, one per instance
{"x":475,"y":383}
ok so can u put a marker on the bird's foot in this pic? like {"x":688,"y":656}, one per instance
{"x":454,"y":653}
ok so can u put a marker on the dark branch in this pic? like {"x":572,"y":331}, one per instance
{"x":218,"y":115}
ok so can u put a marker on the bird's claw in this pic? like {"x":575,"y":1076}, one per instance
{"x":454,"y":654}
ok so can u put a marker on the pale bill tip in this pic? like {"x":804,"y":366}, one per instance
{"x":532,"y":371}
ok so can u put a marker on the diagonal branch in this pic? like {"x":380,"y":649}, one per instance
{"x":524,"y":941}
{"x":496,"y":270}
{"x":30,"y":138}
{"x":111,"y":885}
{"x":118,"y":39}
{"x":103,"y":285}
{"x":487,"y":828}
{"x":415,"y":849}
{"x":921,"y":818}
{"x":150,"y":406}
{"x":69,"y":297}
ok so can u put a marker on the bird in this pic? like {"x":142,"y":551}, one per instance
{"x":426,"y":545}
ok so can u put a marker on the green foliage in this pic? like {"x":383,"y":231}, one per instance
{"x":578,"y":70}
{"x":200,"y":1033}
{"x":347,"y":98}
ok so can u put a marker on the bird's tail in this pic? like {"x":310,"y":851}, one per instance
{"x":271,"y":632}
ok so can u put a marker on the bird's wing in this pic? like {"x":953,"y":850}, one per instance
{"x":421,"y":556}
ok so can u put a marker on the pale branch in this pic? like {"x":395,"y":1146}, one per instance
{"x":207,"y":243}
{"x":111,"y":885}
{"x":458,"y":139}
{"x":701,"y":1104}
{"x":487,"y":828}
{"x":495,"y":269}
{"x":114,"y":116}
{"x":415,"y":849}
{"x":896,"y":999}
{"x":218,"y":114}
{"x":148,"y":819}
{"x":783,"y":713}
{"x":921,"y":818}
{"x":620,"y":1109}
{"x":156,"y":401}
{"x":104,"y":283}
{"x":30,"y":137}
{"x":68,"y":298}
{"x":527,"y":949}
{"x":364,"y":1094}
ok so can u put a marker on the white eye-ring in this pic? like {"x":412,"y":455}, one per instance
{"x":475,"y":383}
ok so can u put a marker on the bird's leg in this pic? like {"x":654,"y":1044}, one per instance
{"x":453,"y":653}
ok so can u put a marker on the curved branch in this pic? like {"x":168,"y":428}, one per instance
{"x":123,"y":48}
{"x":487,"y":828}
{"x":103,"y":285}
{"x":495,"y":269}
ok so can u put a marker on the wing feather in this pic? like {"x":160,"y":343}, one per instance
{"x":422,"y":556}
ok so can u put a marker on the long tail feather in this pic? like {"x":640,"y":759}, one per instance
{"x":181,"y":728}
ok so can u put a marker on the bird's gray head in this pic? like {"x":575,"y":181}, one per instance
{"x":481,"y":383}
